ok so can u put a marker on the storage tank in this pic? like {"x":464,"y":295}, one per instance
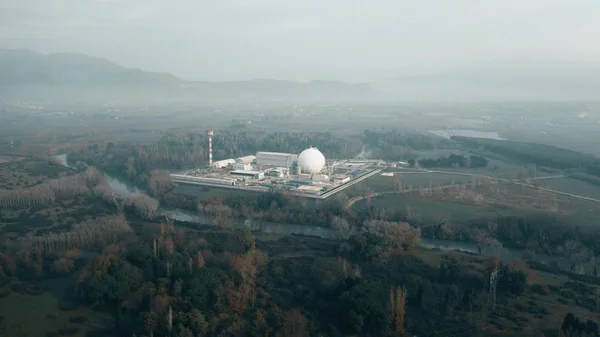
{"x":311,"y":160}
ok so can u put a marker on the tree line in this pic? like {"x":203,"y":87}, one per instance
{"x":135,"y":162}
{"x":543,"y":155}
{"x":455,"y":160}
{"x":48,"y":192}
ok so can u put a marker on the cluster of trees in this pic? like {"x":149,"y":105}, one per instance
{"x":94,"y":232}
{"x":455,"y":160}
{"x":182,"y":285}
{"x":272,"y":206}
{"x":398,"y":234}
{"x":572,"y":326}
{"x":543,"y":155}
{"x":164,"y":280}
{"x":48,"y":192}
{"x":394,"y":145}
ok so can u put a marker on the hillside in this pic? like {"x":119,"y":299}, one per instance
{"x":25,"y":74}
{"x":508,"y":80}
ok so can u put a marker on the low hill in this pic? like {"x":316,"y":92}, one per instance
{"x":545,"y":80}
{"x":25,"y":74}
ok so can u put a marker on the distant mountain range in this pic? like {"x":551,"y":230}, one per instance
{"x":516,"y":79}
{"x":25,"y":74}
{"x":28,"y":75}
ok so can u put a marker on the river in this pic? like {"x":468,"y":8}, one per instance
{"x":189,"y":216}
{"x":322,"y":232}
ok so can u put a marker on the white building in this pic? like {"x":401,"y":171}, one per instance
{"x":246,"y":159}
{"x":320,"y":177}
{"x":276,"y":159}
{"x":311,"y":160}
{"x":223,"y":163}
{"x":248,"y":174}
{"x":341,"y":178}
{"x":278,"y":172}
{"x":242,"y":166}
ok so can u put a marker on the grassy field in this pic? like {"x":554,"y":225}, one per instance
{"x":573,"y":186}
{"x":28,"y":172}
{"x":428,"y":211}
{"x":484,"y":201}
{"x":25,"y":315}
{"x":205,"y":193}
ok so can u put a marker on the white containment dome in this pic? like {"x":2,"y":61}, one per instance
{"x":311,"y":160}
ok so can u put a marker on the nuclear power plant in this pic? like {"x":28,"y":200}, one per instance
{"x":307,"y":174}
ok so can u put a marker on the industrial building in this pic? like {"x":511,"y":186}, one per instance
{"x":223,"y":163}
{"x":248,"y":174}
{"x":242,"y":166}
{"x":278,"y":172}
{"x":306,"y":174}
{"x":276,"y":159}
{"x":246,"y":159}
{"x":203,"y":180}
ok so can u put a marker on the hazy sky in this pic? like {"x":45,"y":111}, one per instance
{"x":304,"y":39}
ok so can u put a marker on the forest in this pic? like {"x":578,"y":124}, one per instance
{"x":532,"y":153}
{"x":394,"y":145}
{"x":164,"y":279}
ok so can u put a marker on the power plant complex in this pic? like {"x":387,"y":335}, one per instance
{"x":306,"y":174}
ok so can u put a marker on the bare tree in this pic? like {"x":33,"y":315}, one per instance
{"x":341,"y":225}
{"x":295,"y":324}
{"x":146,"y":206}
{"x":398,"y":233}
{"x":481,"y":239}
{"x":575,"y":254}
{"x":398,"y":305}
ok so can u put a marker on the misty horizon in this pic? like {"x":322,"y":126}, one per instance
{"x":245,"y":40}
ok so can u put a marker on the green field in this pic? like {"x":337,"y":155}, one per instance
{"x":205,"y":193}
{"x":428,"y":211}
{"x":381,"y":183}
{"x":36,"y":315}
{"x":573,"y":186}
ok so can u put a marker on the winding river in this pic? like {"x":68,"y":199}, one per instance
{"x":322,"y":232}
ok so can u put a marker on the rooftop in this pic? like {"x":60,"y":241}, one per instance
{"x":275,"y":153}
{"x":244,"y":172}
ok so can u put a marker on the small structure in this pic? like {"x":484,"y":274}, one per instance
{"x":248,"y":174}
{"x":320,"y":177}
{"x":308,"y":189}
{"x":242,"y":166}
{"x":341,"y":178}
{"x":181,"y":178}
{"x":278,"y":172}
{"x":296,"y":182}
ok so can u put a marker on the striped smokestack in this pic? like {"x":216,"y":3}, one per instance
{"x":210,"y":134}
